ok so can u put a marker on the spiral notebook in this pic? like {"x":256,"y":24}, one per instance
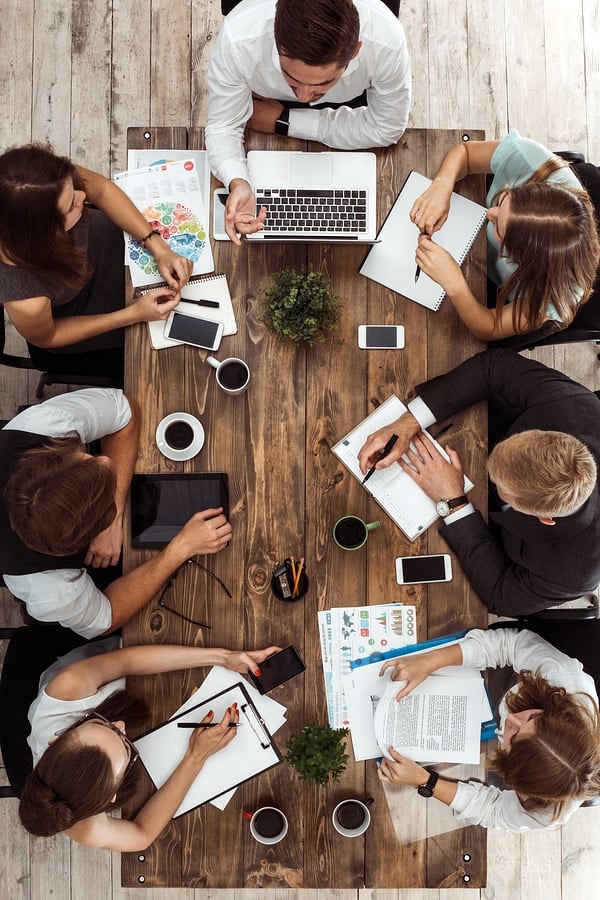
{"x":391,"y":262}
{"x":217,"y":306}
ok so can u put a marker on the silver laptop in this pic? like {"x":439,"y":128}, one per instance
{"x":315,"y":196}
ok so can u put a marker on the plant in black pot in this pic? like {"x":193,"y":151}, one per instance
{"x":317,"y":752}
{"x":299,"y":306}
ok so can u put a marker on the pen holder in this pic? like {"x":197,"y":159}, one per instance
{"x":283,"y":582}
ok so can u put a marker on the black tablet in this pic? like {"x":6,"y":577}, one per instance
{"x":162,"y":504}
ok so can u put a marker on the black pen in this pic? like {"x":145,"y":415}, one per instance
{"x":383,"y":453}
{"x":214,"y":304}
{"x":417,"y":273}
{"x":206,"y":724}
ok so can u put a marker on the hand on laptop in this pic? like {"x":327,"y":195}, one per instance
{"x":240,"y":212}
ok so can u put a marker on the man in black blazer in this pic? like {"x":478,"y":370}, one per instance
{"x":544,"y":469}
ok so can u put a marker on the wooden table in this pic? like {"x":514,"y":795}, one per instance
{"x":286,"y":490}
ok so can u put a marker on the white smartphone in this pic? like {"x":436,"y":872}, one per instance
{"x":422,"y":569}
{"x":195,"y":331}
{"x":219,"y":200}
{"x":381,"y":337}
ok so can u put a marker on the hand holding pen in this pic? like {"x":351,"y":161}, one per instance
{"x":387,"y":449}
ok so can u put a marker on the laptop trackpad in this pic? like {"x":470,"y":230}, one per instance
{"x":311,"y":169}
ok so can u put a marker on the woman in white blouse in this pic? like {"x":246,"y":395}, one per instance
{"x":549,"y":733}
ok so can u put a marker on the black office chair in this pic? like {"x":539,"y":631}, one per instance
{"x":228,"y":5}
{"x":30,"y":651}
{"x":62,"y":368}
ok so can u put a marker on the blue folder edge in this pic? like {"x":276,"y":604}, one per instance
{"x":488,"y":729}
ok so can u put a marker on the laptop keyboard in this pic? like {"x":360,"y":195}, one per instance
{"x":314,"y":211}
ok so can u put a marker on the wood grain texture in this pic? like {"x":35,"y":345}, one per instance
{"x":16,"y":92}
{"x":91,"y":82}
{"x":51,"y":76}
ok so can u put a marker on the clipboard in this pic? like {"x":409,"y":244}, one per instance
{"x":251,"y":752}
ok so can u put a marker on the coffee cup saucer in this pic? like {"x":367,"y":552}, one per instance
{"x":187,"y":452}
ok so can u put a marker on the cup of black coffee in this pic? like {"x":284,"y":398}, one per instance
{"x":179,"y":435}
{"x":268,"y":825}
{"x":351,"y":818}
{"x":233,"y":374}
{"x":350,"y":532}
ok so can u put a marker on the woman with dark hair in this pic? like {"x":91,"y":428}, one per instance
{"x":61,"y":263}
{"x":543,"y":247}
{"x":84,"y":763}
{"x":549,"y":733}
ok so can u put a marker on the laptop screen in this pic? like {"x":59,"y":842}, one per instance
{"x":162,"y":504}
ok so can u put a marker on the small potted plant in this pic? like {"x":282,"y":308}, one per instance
{"x":317,"y":752}
{"x":299,"y":306}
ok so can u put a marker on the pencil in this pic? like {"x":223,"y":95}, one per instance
{"x":207,"y":724}
{"x":297,"y":579}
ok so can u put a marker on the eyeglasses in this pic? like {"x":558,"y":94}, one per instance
{"x":171,"y":582}
{"x":102,"y":720}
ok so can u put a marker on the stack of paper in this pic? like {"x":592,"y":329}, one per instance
{"x":359,"y":632}
{"x":169,"y":196}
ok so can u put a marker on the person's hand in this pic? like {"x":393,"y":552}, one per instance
{"x":411,"y":670}
{"x":206,"y":532}
{"x":156,"y":305}
{"x":205,"y":742}
{"x":175,"y":269}
{"x":440,"y":266}
{"x":405,"y":427}
{"x":430,"y":210}
{"x":265,"y":113}
{"x":439,"y":479}
{"x":105,"y":548}
{"x":240,"y":211}
{"x":247,"y":660}
{"x":401,"y":770}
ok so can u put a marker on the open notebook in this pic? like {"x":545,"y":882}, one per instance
{"x":395,"y":491}
{"x":391,"y":262}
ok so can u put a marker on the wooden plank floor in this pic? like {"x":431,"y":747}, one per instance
{"x":79,"y":73}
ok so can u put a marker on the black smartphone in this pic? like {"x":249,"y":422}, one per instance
{"x":278,"y":668}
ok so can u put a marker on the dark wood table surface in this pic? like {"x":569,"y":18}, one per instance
{"x":286,"y":491}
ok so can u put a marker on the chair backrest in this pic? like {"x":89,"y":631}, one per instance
{"x":30,"y":651}
{"x":7,"y":359}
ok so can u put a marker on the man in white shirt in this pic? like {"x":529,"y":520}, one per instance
{"x":61,"y":510}
{"x":272,"y":57}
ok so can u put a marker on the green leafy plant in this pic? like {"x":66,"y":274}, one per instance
{"x":299,"y":306}
{"x":317,"y":752}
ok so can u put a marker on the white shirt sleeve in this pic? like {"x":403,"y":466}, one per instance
{"x":421,"y":412}
{"x":68,"y":596}
{"x":89,"y":414}
{"x":491,"y":807}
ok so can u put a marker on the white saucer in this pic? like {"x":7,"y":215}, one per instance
{"x":197,"y":442}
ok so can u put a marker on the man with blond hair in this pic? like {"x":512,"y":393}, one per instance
{"x":543,"y":542}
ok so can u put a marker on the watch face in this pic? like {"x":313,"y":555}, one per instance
{"x":425,"y":791}
{"x":442,"y":508}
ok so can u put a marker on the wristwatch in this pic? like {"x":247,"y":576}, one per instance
{"x":426,"y":790}
{"x":283,"y":122}
{"x":445,"y":507}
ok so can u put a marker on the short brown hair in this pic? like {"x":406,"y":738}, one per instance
{"x":560,"y":762}
{"x":317,"y":32}
{"x":57,"y":500}
{"x":548,"y":473}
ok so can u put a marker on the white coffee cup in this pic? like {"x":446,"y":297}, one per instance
{"x":272,"y":822}
{"x":351,"y":817}
{"x":233,"y":374}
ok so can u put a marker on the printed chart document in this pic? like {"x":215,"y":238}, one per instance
{"x":144,"y":159}
{"x":170,"y":199}
{"x":252,"y":750}
{"x":213,"y":288}
{"x":391,"y":262}
{"x":439,"y":721}
{"x":395,"y":491}
{"x":359,"y":632}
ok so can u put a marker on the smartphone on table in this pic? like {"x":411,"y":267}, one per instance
{"x":193,"y":330}
{"x":381,"y":337}
{"x":423,"y":569}
{"x":277,"y":669}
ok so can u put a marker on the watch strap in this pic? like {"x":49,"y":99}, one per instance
{"x":427,"y":789}
{"x":457,"y":501}
{"x":282,"y":123}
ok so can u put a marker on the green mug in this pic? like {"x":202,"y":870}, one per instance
{"x":351,"y":533}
